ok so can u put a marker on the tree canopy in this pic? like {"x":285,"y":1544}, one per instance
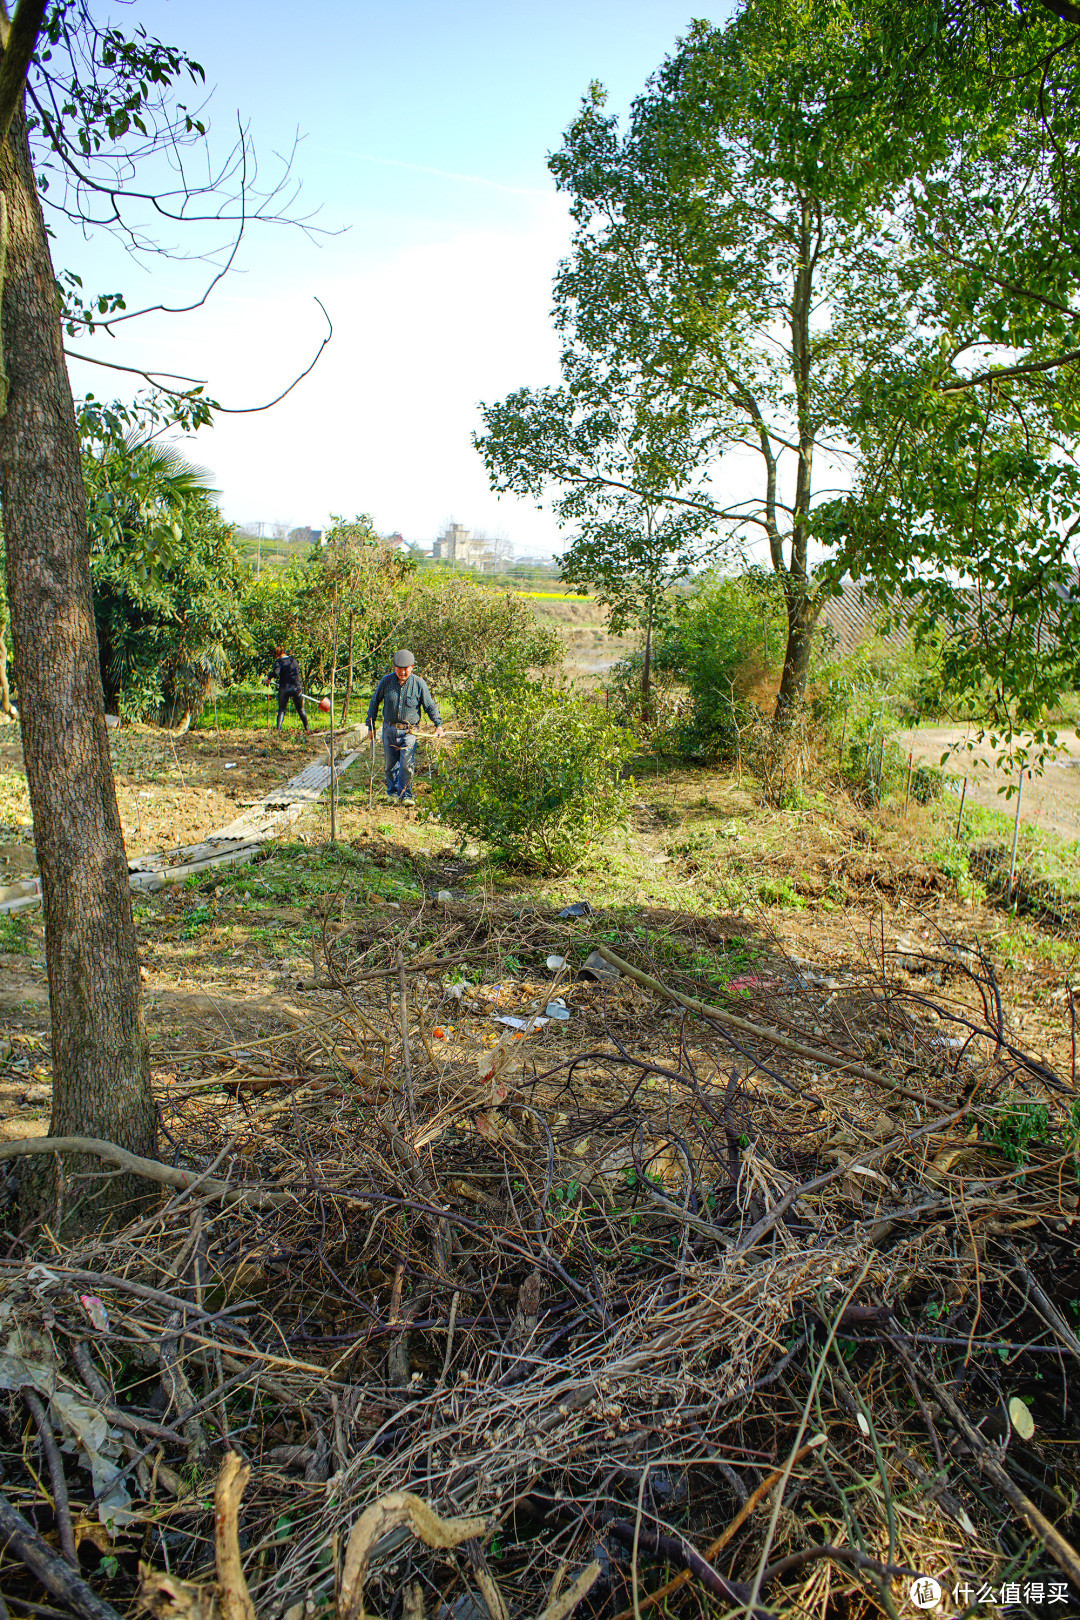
{"x":168,"y":580}
{"x":839,"y":243}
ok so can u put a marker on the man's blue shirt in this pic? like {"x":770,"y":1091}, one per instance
{"x":402,"y":701}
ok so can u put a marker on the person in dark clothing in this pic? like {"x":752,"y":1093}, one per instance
{"x":402,"y":695}
{"x":286,"y":672}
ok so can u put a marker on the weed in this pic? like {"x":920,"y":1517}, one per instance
{"x":1015,"y":1125}
{"x":15,"y":934}
{"x":780,"y":891}
{"x":198,"y":919}
{"x":952,"y":859}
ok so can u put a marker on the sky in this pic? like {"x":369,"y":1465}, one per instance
{"x":433,"y":236}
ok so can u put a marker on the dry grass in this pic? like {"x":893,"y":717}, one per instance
{"x":638,"y":1283}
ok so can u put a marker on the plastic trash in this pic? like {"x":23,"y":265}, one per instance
{"x":230,"y":764}
{"x":596,"y":968}
{"x":557,"y":1009}
{"x":521,"y":1023}
{"x":555,"y":963}
{"x":96,"y":1311}
{"x":444,"y":897}
{"x":582,"y":908}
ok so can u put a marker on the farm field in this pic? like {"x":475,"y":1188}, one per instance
{"x":590,"y":650}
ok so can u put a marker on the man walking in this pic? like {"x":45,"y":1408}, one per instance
{"x":402,"y":695}
{"x":286,"y":672}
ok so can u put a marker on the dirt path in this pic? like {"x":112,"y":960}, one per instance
{"x":1050,"y":801}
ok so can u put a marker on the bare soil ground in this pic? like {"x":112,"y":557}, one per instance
{"x":833,"y":889}
{"x":172,"y":791}
{"x":632,"y":1284}
{"x":1050,"y":800}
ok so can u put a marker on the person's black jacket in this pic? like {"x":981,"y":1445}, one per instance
{"x":286,"y":672}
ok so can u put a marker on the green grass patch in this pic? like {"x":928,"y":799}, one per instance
{"x":15,"y":934}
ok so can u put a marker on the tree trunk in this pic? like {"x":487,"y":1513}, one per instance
{"x":802,"y":617}
{"x":100,"y":1055}
{"x":646,"y":668}
{"x":348,"y":680}
{"x":802,"y":609}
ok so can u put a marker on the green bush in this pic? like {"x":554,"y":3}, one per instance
{"x":726,"y":634}
{"x":539,"y":777}
{"x":658,"y":729}
{"x":927,"y":783}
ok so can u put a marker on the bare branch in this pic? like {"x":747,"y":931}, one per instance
{"x":251,"y":410}
{"x":136,"y":371}
{"x":1000,"y":373}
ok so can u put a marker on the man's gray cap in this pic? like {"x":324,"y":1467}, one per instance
{"x":404,"y":659}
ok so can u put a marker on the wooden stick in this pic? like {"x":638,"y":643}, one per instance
{"x":54,"y":1574}
{"x":333,"y":700}
{"x":149,"y":1169}
{"x":56,"y":1475}
{"x":236,"y":1601}
{"x":403,"y":1010}
{"x":761,"y":1032}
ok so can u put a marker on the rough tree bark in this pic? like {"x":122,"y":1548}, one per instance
{"x":100,"y":1056}
{"x":803,"y":608}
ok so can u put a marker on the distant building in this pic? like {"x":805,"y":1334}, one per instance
{"x":458,"y":547}
{"x":305,"y":537}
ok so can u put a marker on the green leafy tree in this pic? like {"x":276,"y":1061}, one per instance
{"x":357,"y":594}
{"x":353,"y":581}
{"x":462,"y":633}
{"x":968,"y":499}
{"x":168,"y":580}
{"x":736,"y":263}
{"x":618,"y":470}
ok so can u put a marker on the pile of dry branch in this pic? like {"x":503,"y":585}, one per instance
{"x":759,"y":1299}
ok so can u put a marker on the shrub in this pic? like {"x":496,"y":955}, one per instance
{"x":667,"y":706}
{"x":539,"y":776}
{"x":726,"y":635}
